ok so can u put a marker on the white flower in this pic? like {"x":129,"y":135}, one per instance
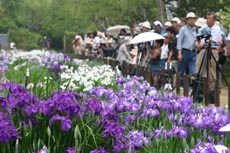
{"x":88,"y":77}
{"x":40,"y":85}
{"x":221,"y":149}
{"x":30,"y":86}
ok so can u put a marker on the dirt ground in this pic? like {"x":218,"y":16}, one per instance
{"x":224,"y":97}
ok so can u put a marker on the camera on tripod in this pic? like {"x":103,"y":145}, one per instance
{"x":205,"y":33}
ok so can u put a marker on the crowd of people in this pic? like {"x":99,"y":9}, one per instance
{"x":183,"y":47}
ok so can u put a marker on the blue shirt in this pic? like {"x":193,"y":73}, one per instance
{"x":186,"y":38}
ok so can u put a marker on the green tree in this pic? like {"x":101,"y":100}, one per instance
{"x":31,"y":15}
{"x":200,"y":7}
{"x":54,"y":18}
{"x":6,"y":22}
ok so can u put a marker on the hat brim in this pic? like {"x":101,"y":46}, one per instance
{"x":191,"y":17}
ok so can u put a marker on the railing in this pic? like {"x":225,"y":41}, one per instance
{"x":169,"y":77}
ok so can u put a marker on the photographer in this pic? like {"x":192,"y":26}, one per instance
{"x":210,"y":43}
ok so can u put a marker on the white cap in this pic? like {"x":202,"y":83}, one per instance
{"x":157,"y":23}
{"x":190,"y":15}
{"x":168,"y":24}
{"x":176,"y":19}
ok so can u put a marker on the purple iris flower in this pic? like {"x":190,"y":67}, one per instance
{"x":181,"y":132}
{"x":99,"y":91}
{"x":199,"y":123}
{"x":203,"y":147}
{"x":186,"y":104}
{"x":110,"y":94}
{"x":120,"y":80}
{"x":157,"y":133}
{"x":168,"y":134}
{"x":133,"y":107}
{"x":93,"y":105}
{"x":109,"y":115}
{"x":110,"y":105}
{"x":99,"y":150}
{"x":167,"y":106}
{"x":70,"y":150}
{"x":66,"y":123}
{"x":120,"y":106}
{"x":7,"y":130}
{"x":137,"y":139}
{"x":150,"y":113}
{"x":31,"y":110}
{"x":62,"y":102}
{"x":129,"y":119}
{"x":113,"y":129}
{"x":42,"y":150}
{"x":118,"y":147}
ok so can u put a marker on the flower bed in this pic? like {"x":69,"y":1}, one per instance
{"x":94,"y":109}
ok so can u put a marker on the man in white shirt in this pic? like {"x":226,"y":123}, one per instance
{"x":214,"y":41}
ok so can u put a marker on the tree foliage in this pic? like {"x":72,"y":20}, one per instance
{"x":25,"y":19}
{"x":200,"y":7}
{"x":225,"y":17}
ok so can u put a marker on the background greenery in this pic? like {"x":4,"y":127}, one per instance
{"x":27,"y":21}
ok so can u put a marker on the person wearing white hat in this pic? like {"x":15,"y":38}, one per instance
{"x":123,"y":54}
{"x":176,"y":19}
{"x":142,"y":52}
{"x":146,"y":26}
{"x":77,"y":45}
{"x":158,"y":27}
{"x":187,"y":53}
{"x":167,"y":25}
{"x":200,"y":22}
{"x":176,"y":24}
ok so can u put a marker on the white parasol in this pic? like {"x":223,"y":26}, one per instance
{"x":145,"y":37}
{"x":225,"y":128}
{"x":115,"y":30}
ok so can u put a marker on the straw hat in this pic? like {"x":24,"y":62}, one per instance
{"x":200,"y":22}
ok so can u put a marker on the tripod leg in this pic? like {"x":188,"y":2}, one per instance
{"x":201,"y":72}
{"x":219,"y":69}
{"x":206,"y":91}
{"x":217,"y":94}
